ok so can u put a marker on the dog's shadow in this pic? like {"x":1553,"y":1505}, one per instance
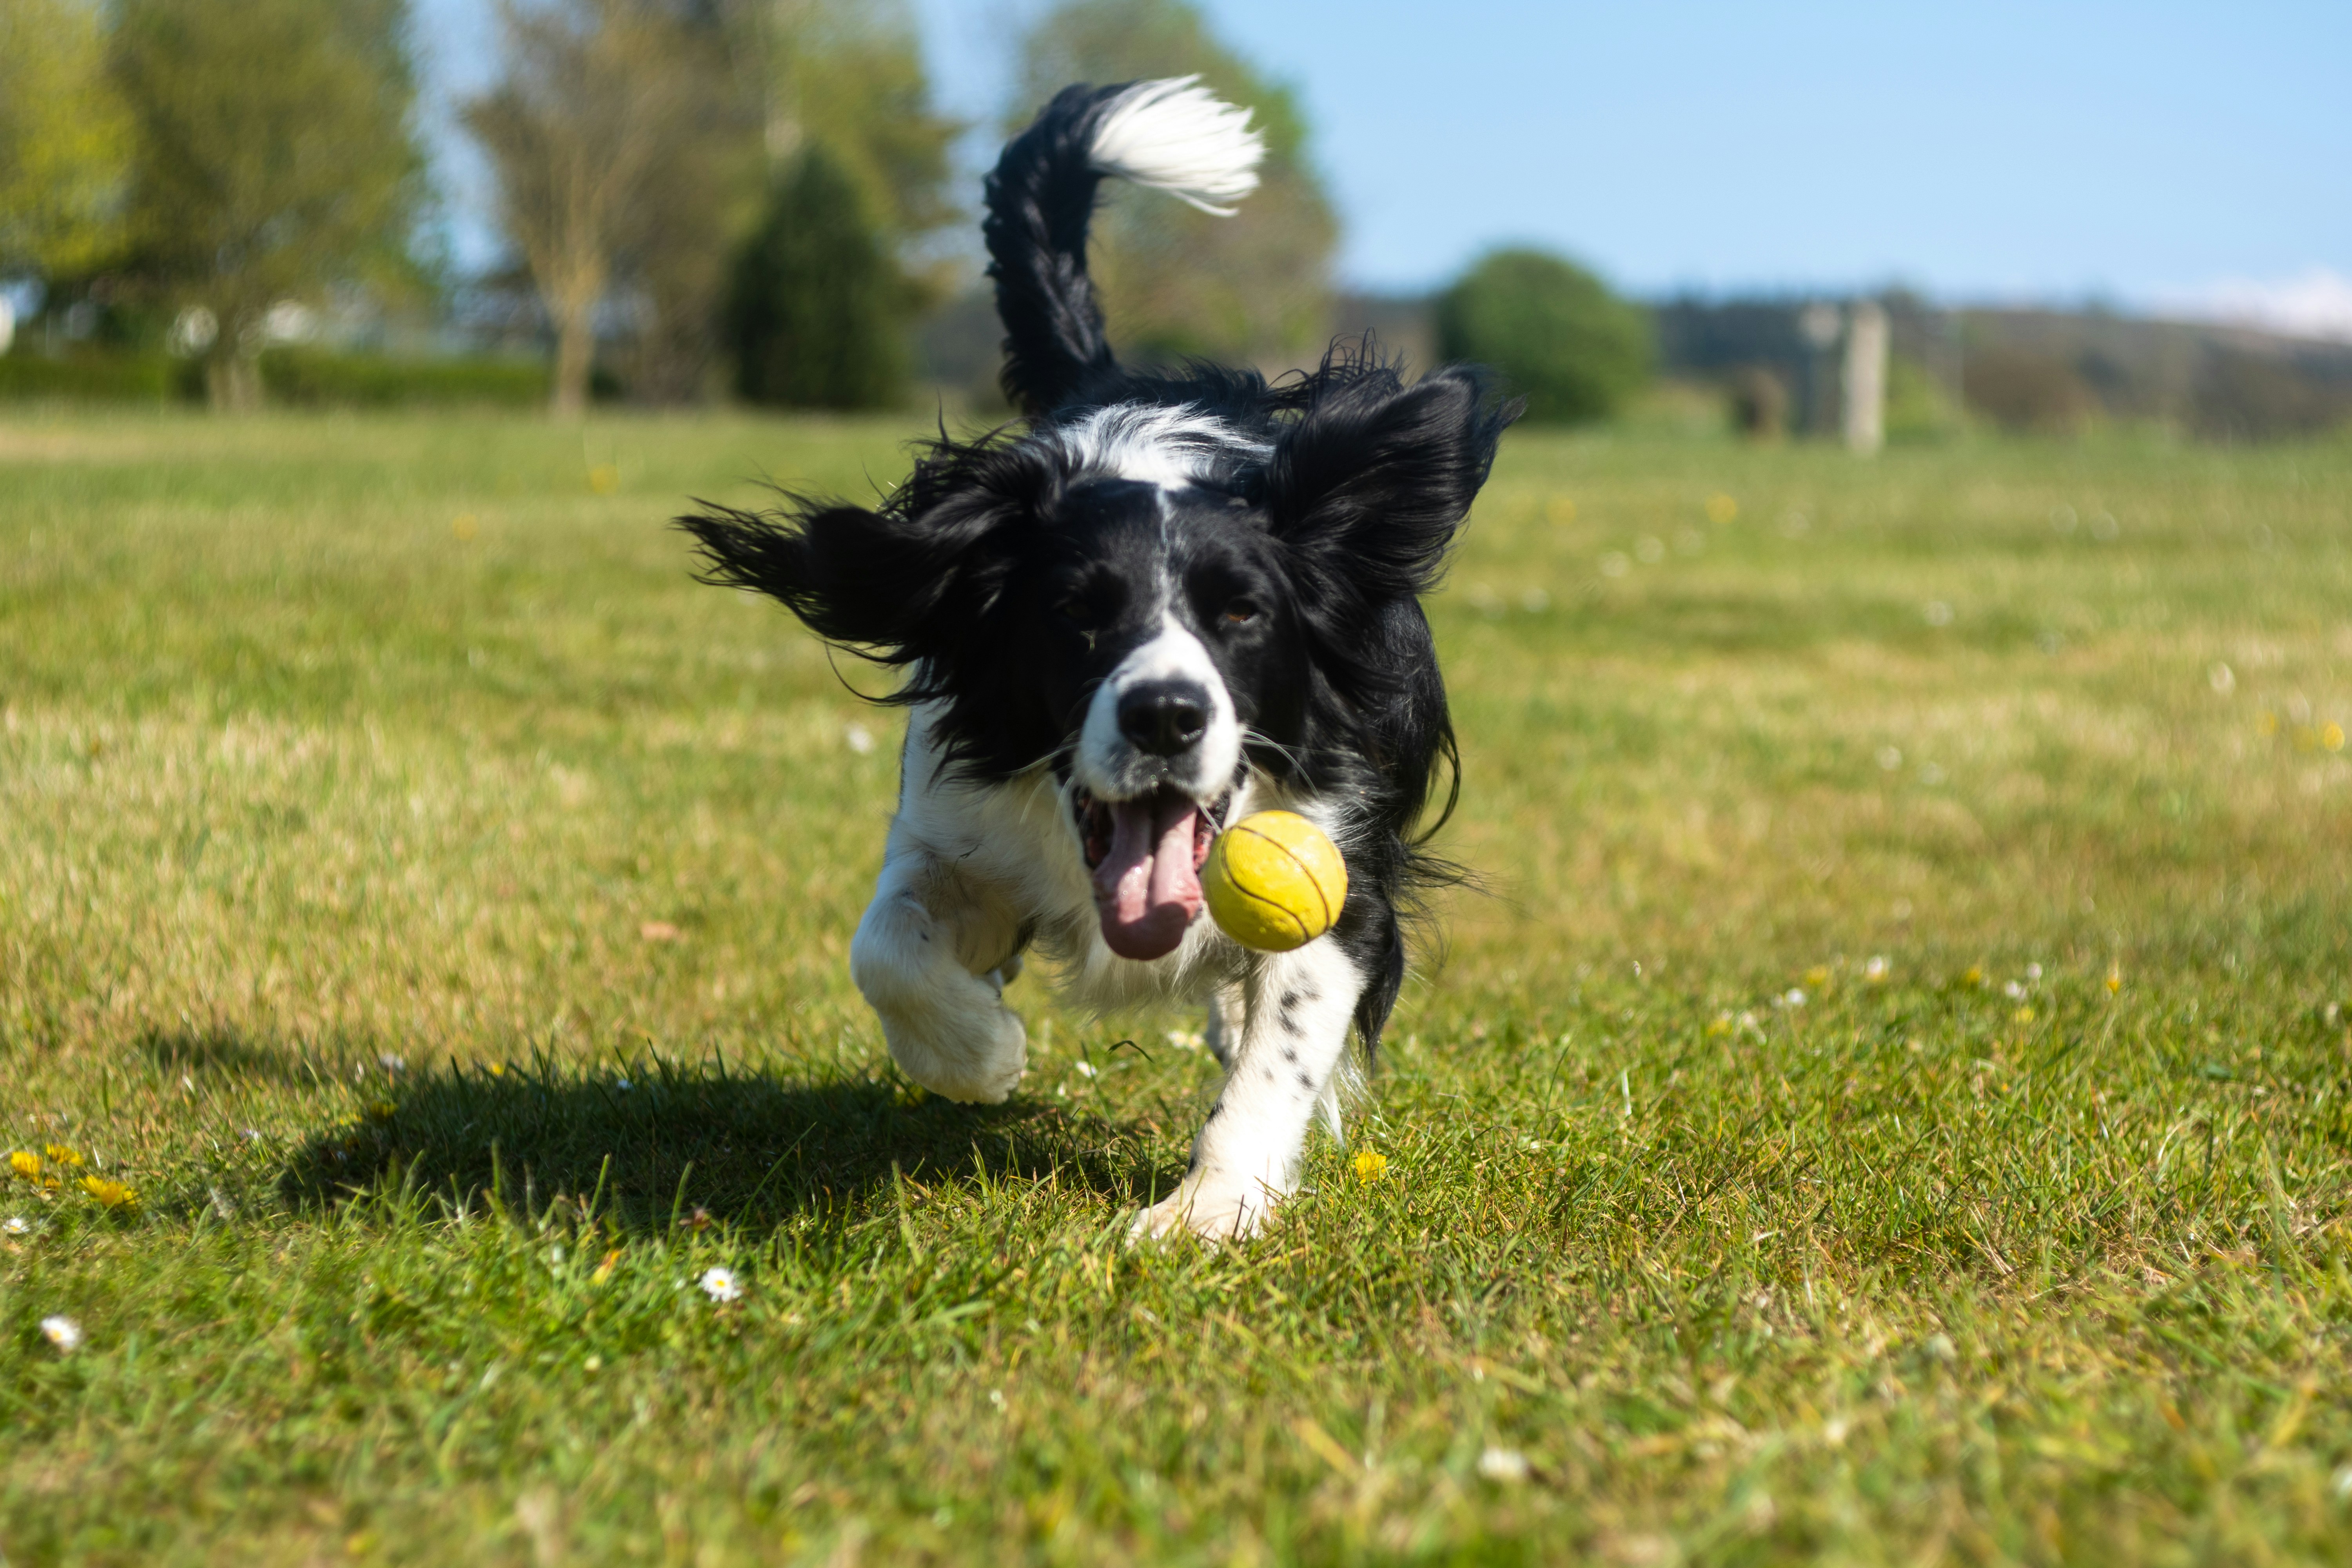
{"x":664,"y":1144}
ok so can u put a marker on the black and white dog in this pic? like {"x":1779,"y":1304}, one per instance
{"x":1170,"y":601}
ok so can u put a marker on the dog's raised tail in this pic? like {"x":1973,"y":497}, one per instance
{"x":1173,"y":135}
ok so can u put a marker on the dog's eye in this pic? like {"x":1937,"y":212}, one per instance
{"x":1240,"y":612}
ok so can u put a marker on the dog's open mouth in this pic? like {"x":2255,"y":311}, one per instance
{"x":1146,"y":855}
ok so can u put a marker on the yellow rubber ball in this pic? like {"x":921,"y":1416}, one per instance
{"x":1274,"y":881}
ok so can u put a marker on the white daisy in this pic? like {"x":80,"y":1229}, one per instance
{"x":719,"y":1285}
{"x":16,"y":1225}
{"x":1503,"y":1465}
{"x":62,"y":1332}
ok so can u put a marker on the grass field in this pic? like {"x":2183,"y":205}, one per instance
{"x":1887,"y":1105}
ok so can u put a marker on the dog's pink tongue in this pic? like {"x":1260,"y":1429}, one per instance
{"x":1147,"y":888}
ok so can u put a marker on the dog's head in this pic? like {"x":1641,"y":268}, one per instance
{"x":1150,"y":598}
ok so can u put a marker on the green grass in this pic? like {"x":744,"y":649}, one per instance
{"x":330,"y":842}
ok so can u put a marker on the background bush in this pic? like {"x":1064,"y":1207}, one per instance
{"x":2021,"y":389}
{"x":302,"y":378}
{"x":1553,"y":331}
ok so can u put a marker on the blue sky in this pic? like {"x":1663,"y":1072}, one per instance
{"x":2147,"y":155}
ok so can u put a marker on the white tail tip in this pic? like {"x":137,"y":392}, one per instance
{"x":1177,"y":136}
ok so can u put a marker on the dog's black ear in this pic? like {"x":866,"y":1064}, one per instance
{"x":1375,"y":476}
{"x":870,"y":579}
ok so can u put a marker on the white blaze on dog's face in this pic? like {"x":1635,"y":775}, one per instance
{"x":1157,"y":756}
{"x":1163,"y":717}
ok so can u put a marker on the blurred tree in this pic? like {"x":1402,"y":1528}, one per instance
{"x":1252,"y":288}
{"x":681,"y":229}
{"x":848,"y":74}
{"x":1554,"y":331}
{"x":609,"y":133}
{"x":65,"y":138}
{"x":275,"y":156}
{"x":822,"y":298}
{"x":818,"y":310}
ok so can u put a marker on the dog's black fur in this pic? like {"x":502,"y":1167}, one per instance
{"x":1008,"y":576}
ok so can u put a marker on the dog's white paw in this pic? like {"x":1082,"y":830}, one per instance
{"x":975,"y":1056}
{"x":1213,"y":1208}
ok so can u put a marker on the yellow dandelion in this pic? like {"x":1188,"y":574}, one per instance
{"x":2267,"y":723}
{"x":60,"y":1154}
{"x":604,"y":479}
{"x":604,"y":1270}
{"x":497,"y":1070}
{"x":2332,"y":737}
{"x":1817,"y":977}
{"x":1561,"y":511}
{"x":1721,"y":509}
{"x":2022,"y":1015}
{"x":383,"y":1110}
{"x":1974,"y":976}
{"x":1371,"y":1165}
{"x":113,"y":1195}
{"x":1718,"y":1025}
{"x":25,"y":1163}
{"x":464,"y":526}
{"x":2115,"y":978}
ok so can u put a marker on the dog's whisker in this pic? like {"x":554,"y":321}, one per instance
{"x":1256,"y":737}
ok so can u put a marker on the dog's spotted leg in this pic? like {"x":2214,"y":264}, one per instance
{"x":1223,"y":1032}
{"x":1297,"y":1008}
{"x":932,"y":956}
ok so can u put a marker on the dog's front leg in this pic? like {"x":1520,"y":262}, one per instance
{"x":932,"y":956}
{"x":1296,"y":1012}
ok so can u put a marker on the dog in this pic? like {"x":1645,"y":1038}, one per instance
{"x":1166,"y":600}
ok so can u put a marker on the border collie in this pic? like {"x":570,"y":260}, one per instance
{"x":1166,"y":600}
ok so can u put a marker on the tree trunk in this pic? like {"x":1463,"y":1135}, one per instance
{"x":233,"y":380}
{"x":575,"y":354}
{"x":571,"y":289}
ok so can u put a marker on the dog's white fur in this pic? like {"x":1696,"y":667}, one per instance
{"x":1177,"y":136}
{"x":1163,"y":447}
{"x":1107,"y":765}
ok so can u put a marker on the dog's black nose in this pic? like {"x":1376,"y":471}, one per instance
{"x":1163,"y":717}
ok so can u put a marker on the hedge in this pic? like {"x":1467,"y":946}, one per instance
{"x":302,"y":378}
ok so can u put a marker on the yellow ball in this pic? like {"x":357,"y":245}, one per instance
{"x":1274,"y":881}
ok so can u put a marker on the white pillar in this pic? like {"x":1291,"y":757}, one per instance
{"x":1865,"y":377}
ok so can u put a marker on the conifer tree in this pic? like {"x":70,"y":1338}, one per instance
{"x":818,"y":312}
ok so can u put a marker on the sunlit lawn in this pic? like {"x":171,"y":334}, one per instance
{"x":1885,"y":1104}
